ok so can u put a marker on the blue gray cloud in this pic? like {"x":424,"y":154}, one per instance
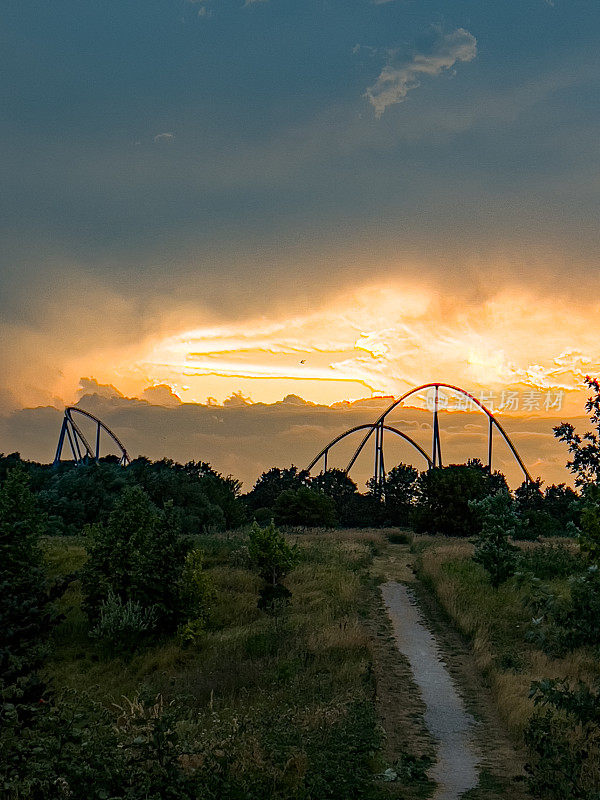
{"x":396,"y":80}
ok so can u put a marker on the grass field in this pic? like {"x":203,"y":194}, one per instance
{"x":314,"y":701}
{"x":282,"y":705}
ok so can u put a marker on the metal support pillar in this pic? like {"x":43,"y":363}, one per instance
{"x":436,"y":445}
{"x":72,"y":445}
{"x":379,"y":469}
{"x":490,"y":431}
{"x":61,"y":440}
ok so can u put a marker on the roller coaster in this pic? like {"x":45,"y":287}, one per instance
{"x":379,"y":427}
{"x":83,"y":452}
{"x":80,"y":447}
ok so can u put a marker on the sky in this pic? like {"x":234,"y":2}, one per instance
{"x":331,"y":200}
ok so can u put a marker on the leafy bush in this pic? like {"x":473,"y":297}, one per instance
{"x":564,"y":737}
{"x":197,"y":594}
{"x":305,"y":507}
{"x":493,"y":549}
{"x":565,"y":621}
{"x":399,"y":537}
{"x":123,"y":624}
{"x":139,"y":556}
{"x":25,"y":615}
{"x":270,"y":554}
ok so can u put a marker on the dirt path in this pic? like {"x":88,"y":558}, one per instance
{"x":437,"y":712}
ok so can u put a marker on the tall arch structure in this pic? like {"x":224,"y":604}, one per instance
{"x":379,"y":426}
{"x":81,"y":449}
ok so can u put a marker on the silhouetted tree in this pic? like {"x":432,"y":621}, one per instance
{"x":272,"y":483}
{"x":584,"y":449}
{"x":400,"y":492}
{"x":305,"y":507}
{"x":444,"y":496}
{"x":563,"y":504}
{"x":349,"y":506}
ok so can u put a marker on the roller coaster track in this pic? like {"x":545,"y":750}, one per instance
{"x":81,"y":449}
{"x":379,"y":426}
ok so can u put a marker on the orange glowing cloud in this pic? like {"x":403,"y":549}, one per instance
{"x":376,"y":340}
{"x":383,"y":339}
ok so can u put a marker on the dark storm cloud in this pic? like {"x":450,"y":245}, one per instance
{"x":160,"y":165}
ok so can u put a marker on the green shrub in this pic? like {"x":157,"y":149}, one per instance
{"x":197,"y":594}
{"x":139,"y":556}
{"x":564,"y":621}
{"x":123,"y":624}
{"x":263,"y":515}
{"x":72,"y":749}
{"x":493,"y":549}
{"x":270,"y":554}
{"x":548,"y":561}
{"x":399,"y":537}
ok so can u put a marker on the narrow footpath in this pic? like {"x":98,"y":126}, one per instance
{"x":434,"y":705}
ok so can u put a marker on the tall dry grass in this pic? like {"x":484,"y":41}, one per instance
{"x":495,"y":622}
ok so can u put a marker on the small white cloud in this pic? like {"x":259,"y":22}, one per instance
{"x":164,"y":137}
{"x":397,"y":80}
{"x":360,"y":47}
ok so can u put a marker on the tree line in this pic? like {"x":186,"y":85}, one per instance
{"x":436,"y":501}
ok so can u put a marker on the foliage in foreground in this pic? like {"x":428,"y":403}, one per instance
{"x":25,"y":614}
{"x":568,"y":618}
{"x":564,"y":738}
